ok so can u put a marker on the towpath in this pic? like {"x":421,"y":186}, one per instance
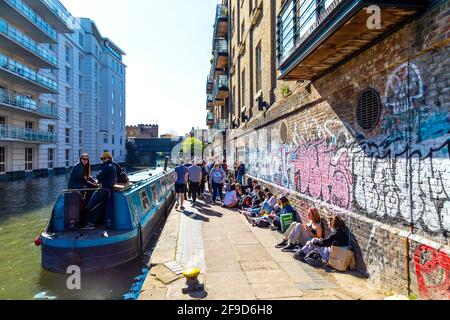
{"x":239,"y":262}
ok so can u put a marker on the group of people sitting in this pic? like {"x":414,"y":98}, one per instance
{"x":306,"y":240}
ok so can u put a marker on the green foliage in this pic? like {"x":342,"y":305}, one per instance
{"x":285,"y":91}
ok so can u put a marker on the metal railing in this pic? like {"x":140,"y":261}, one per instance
{"x":23,"y":134}
{"x":60,"y":11}
{"x":210,"y":117}
{"x":221,"y":12}
{"x":14,"y":34}
{"x":26,"y":103}
{"x":209,"y":84}
{"x":221,"y":125}
{"x":31,"y":15}
{"x":220,"y":84}
{"x":26,"y":72}
{"x":297,"y":20}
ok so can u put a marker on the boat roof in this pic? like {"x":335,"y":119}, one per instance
{"x":144,"y":177}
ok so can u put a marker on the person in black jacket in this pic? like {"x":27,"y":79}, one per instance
{"x":80,"y":176}
{"x":108,"y":178}
{"x":338,"y":238}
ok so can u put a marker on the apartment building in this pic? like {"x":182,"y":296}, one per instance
{"x":344,"y":105}
{"x":50,"y":110}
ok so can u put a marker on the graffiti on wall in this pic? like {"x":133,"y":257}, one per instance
{"x":330,"y":161}
{"x":433,"y":273}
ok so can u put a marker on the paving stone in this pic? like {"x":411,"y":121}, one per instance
{"x":317,"y":285}
{"x":259,"y":265}
{"x":225,"y":279}
{"x":251,"y":253}
{"x":295,"y":271}
{"x":275,"y":290}
{"x":267,"y":276}
{"x":242,"y":238}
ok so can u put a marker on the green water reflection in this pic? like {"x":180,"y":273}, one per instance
{"x":25,"y":208}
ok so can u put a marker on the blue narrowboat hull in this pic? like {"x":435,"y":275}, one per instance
{"x":124,"y":240}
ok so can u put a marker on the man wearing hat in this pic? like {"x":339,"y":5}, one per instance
{"x":107,"y":178}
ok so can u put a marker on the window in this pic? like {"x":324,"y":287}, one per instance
{"x":308,"y":15}
{"x":121,"y":140}
{"x":286,"y":35}
{"x":258,"y":68}
{"x":51,"y":158}
{"x":68,"y":53}
{"x":68,"y":95}
{"x":67,"y":135}
{"x":81,"y":39}
{"x":113,"y":154}
{"x":80,"y":82}
{"x":2,"y":121}
{"x":80,"y":100}
{"x":80,"y":62}
{"x":112,"y":110}
{"x":51,"y":128}
{"x":80,"y":137}
{"x":2,"y":159}
{"x":121,"y":98}
{"x":243,"y":88}
{"x":68,"y":73}
{"x":105,"y":138}
{"x":28,"y":125}
{"x":112,"y":80}
{"x":80,"y":119}
{"x":67,"y":115}
{"x":155,"y":194}
{"x":28,"y":159}
{"x":112,"y":139}
{"x":96,"y":87}
{"x":121,"y":153}
{"x":67,"y":158}
{"x":144,"y":200}
{"x":112,"y":95}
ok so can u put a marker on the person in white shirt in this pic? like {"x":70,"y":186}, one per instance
{"x":231,"y":200}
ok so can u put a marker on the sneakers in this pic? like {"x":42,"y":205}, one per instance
{"x":289,"y":248}
{"x":88,"y":226}
{"x":176,"y":206}
{"x":300,"y":255}
{"x":281,"y":244}
{"x":182,"y":208}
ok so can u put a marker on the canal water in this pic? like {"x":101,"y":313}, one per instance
{"x":25,"y":208}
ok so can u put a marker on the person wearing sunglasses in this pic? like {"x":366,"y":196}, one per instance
{"x":80,"y":176}
{"x":107,"y":178}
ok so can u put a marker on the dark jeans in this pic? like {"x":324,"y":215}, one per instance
{"x":201,"y":188}
{"x":95,"y":206}
{"x":193,"y":189}
{"x":217,"y":191}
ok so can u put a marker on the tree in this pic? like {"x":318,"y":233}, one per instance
{"x":192,"y":148}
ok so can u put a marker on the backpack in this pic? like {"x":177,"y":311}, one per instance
{"x":262,"y":223}
{"x":122,"y":176}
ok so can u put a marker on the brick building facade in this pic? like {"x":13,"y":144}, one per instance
{"x":364,"y":134}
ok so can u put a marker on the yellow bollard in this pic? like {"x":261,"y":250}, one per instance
{"x":192,"y":282}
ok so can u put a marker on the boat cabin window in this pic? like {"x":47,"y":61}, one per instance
{"x":155,"y":193}
{"x":144,"y":200}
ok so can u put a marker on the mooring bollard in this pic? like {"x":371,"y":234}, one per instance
{"x":192,"y":282}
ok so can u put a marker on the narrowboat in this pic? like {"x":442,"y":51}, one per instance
{"x":130,"y":217}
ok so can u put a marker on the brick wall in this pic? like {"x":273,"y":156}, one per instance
{"x":370,"y":177}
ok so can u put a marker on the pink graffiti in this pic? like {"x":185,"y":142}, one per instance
{"x":433,"y":273}
{"x":323,"y":172}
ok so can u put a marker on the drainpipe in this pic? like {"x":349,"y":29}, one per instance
{"x":410,"y":181}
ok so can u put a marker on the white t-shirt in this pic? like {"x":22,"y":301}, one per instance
{"x":230,"y":198}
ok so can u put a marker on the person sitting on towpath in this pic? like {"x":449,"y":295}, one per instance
{"x":299,"y":233}
{"x":107,"y":178}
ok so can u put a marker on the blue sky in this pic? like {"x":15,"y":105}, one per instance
{"x":168,"y":46}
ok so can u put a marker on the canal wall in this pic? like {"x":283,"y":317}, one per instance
{"x":370,"y":141}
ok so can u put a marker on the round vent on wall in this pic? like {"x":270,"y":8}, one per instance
{"x":283,"y":132}
{"x":368,"y":109}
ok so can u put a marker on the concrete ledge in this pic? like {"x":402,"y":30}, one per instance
{"x":165,"y":250}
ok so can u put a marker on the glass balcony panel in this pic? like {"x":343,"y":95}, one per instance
{"x":26,"y":103}
{"x":26,"y":72}
{"x":28,"y":135}
{"x":33,"y":17}
{"x":25,"y":41}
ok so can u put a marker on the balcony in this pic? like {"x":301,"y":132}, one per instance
{"x":13,"y":71}
{"x":221,"y":88}
{"x":55,"y":13}
{"x":210,"y":119}
{"x":19,"y":14}
{"x":19,"y":44}
{"x":26,"y":105}
{"x":221,"y":22}
{"x":221,"y":125}
{"x":209,"y":85}
{"x":220,"y":54}
{"x":209,"y":102}
{"x":9,"y":133}
{"x":315,"y":35}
